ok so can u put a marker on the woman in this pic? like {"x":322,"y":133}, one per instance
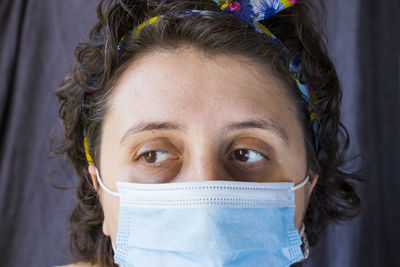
{"x":202,"y":139}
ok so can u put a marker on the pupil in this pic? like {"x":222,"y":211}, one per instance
{"x":241,"y":154}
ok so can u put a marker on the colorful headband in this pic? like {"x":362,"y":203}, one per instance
{"x":251,"y":11}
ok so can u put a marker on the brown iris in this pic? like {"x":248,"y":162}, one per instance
{"x":241,"y":154}
{"x":150,"y":156}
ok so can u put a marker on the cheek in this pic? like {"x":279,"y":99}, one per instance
{"x":110,"y":206}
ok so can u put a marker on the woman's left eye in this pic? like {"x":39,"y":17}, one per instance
{"x":244,"y":154}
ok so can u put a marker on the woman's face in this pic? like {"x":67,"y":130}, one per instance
{"x":204,"y":119}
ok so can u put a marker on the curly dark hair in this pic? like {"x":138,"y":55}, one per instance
{"x":99,"y":65}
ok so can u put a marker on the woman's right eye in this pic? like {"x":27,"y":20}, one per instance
{"x":154,"y":156}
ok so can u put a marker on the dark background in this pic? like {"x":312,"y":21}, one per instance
{"x":37,"y":41}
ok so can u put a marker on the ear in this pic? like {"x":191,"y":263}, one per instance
{"x":92,"y":171}
{"x":93,"y":175}
{"x":314,"y":179}
{"x":105,"y":229}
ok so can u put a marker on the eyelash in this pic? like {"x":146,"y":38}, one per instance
{"x":156,"y":164}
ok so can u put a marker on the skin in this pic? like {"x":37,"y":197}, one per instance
{"x":204,"y":95}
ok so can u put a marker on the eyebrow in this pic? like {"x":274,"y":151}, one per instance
{"x":264,"y":124}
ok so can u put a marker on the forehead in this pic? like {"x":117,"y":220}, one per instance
{"x":187,"y":85}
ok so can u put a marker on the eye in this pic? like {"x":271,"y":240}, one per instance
{"x":154,"y":156}
{"x":244,"y":154}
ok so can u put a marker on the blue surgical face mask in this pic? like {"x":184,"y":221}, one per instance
{"x":207,"y":223}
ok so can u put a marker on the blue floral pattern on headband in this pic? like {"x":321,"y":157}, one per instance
{"x":255,"y":10}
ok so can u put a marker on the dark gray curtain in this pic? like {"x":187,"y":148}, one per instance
{"x":37,"y":41}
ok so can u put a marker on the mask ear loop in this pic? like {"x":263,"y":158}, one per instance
{"x":103,"y":185}
{"x":305,"y":247}
{"x":301,"y":184}
{"x":113,"y":247}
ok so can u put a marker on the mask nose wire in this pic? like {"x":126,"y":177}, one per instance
{"x":301,"y":184}
{"x":103,"y":185}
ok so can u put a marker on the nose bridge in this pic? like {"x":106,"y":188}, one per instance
{"x":204,"y":164}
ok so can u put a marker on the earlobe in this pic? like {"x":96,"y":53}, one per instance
{"x":92,"y":171}
{"x":106,"y":232}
